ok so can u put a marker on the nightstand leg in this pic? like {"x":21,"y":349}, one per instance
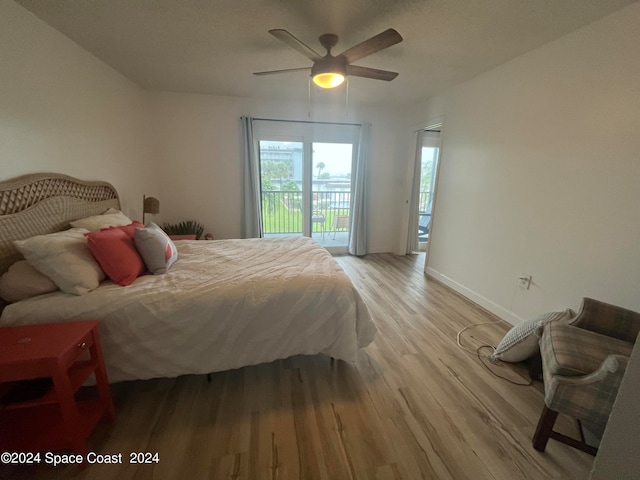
{"x":101,"y":378}
{"x":72,"y":428}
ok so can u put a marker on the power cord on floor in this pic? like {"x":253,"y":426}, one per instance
{"x":488,"y":357}
{"x":530,"y":382}
{"x":467,"y":328}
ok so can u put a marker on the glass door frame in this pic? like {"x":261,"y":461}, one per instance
{"x":308,"y":133}
{"x":268,"y":137}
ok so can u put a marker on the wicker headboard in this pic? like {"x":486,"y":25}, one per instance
{"x":45,"y":203}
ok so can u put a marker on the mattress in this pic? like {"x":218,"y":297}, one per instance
{"x":224,"y":304}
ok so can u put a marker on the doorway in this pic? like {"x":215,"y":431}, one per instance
{"x":423,"y":190}
{"x":429,"y":155}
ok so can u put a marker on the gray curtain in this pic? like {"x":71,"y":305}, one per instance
{"x":251,"y":210}
{"x":358,"y":227}
{"x":412,"y":236}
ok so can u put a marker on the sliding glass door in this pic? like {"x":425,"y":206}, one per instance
{"x":282,"y":184}
{"x":305,"y":174}
{"x":331,"y":192}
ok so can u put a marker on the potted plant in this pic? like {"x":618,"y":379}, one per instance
{"x":189,"y":230}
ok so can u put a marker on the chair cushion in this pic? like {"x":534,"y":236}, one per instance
{"x":571,"y":351}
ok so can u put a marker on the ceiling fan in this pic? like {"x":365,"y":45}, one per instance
{"x":328,"y":71}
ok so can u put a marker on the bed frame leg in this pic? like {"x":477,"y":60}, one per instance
{"x":208,"y":378}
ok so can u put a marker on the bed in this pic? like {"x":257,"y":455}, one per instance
{"x":223,"y":304}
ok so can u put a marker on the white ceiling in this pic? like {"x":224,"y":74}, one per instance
{"x":213,"y":46}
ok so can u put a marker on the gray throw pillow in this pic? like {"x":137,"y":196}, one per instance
{"x":521,"y":342}
{"x":156,"y":248}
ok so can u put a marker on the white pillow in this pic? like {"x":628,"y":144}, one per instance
{"x":110,"y":218}
{"x":65,"y":258}
{"x":521,"y":342}
{"x":156,"y":248}
{"x":23,"y":281}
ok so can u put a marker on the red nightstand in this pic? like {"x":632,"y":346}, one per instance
{"x":42,"y":367}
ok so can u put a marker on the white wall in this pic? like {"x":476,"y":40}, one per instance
{"x":540,"y":172}
{"x":198,"y":149}
{"x":64,"y":111}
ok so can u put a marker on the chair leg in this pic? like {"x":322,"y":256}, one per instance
{"x":544,"y":431}
{"x":544,"y":428}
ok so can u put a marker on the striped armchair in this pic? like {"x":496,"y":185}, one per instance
{"x":583,"y":363}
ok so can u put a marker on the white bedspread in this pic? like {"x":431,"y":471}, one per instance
{"x":224,"y":304}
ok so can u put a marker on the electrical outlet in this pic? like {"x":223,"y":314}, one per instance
{"x":524,"y":281}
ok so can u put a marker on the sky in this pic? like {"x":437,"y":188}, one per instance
{"x":335,"y":156}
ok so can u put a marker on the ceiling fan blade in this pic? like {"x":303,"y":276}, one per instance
{"x":296,"y":44}
{"x":271,"y":72}
{"x":367,"y":72}
{"x":374,"y":44}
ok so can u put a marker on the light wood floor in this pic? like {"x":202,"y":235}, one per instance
{"x":413,"y":406}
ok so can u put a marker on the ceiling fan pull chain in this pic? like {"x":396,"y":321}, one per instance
{"x":346,"y":107}
{"x":309,"y":101}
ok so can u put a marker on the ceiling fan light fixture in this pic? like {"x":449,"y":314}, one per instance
{"x":329,"y":72}
{"x":328,"y":79}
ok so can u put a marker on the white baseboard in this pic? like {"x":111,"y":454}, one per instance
{"x":379,"y":249}
{"x":484,"y":302}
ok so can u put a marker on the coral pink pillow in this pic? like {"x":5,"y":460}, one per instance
{"x":116,"y":253}
{"x":128,"y":229}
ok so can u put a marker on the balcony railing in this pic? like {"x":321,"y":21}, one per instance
{"x":282,"y":211}
{"x":423,"y":201}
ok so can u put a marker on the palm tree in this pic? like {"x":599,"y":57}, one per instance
{"x":320,"y":166}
